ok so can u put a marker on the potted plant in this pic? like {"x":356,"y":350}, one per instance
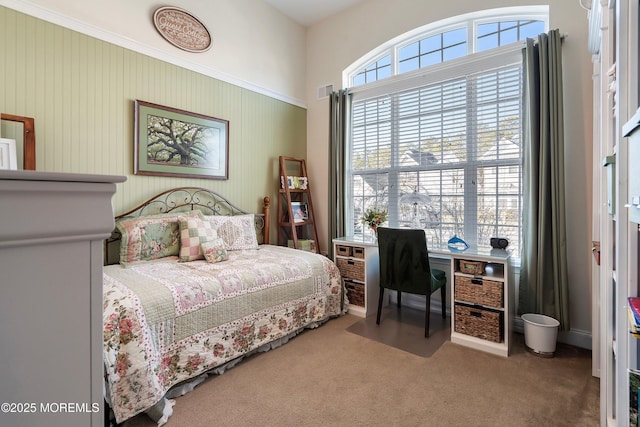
{"x":373,"y":217}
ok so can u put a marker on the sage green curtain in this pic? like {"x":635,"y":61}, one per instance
{"x":544,"y":286}
{"x":339,"y":113}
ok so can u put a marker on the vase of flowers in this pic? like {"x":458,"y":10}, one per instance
{"x":374,"y":217}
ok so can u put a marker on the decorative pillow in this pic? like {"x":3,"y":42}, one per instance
{"x":151,"y":237}
{"x":237,"y":231}
{"x":214,"y":250}
{"x":194,"y":232}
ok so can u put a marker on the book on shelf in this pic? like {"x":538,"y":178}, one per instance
{"x":634,"y":326}
{"x":304,"y":244}
{"x":634,"y":316}
{"x":634,"y":306}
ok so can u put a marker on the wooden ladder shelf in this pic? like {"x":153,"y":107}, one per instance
{"x":296,"y":220}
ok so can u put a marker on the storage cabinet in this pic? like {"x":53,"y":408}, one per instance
{"x":482,"y":300}
{"x":359,"y":266}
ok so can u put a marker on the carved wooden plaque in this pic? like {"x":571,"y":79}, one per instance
{"x":182,"y":29}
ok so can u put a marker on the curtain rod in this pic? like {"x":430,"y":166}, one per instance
{"x":562,"y":37}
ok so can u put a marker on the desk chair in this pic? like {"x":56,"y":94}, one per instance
{"x":404,"y":267}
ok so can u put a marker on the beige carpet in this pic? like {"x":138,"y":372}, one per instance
{"x":330,"y":376}
{"x":404,"y":330}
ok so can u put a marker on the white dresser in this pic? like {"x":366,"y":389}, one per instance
{"x":52,"y":227}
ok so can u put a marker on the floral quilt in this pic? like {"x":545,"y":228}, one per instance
{"x":167,"y":321}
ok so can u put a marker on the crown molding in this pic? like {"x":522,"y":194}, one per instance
{"x":99,"y":33}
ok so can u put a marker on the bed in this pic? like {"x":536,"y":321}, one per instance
{"x":190,"y":291}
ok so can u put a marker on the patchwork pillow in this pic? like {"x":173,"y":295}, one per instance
{"x":194,"y":232}
{"x":150,"y":237}
{"x":214,"y":250}
{"x":237,"y":231}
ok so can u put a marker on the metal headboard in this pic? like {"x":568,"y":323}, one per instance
{"x":186,"y":199}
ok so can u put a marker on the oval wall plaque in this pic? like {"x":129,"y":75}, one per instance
{"x":182,"y":29}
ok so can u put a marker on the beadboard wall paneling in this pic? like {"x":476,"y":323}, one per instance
{"x":81,"y":91}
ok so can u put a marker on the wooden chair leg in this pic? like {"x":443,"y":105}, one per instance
{"x":427,"y":315}
{"x":399,"y":299}
{"x":443,"y":298}
{"x":380,"y":305}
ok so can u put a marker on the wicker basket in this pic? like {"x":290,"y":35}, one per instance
{"x":355,"y":293}
{"x":358,"y":252}
{"x":471,"y":267}
{"x":478,"y":291}
{"x":343,"y":250}
{"x":479,"y":322}
{"x":351,"y":269}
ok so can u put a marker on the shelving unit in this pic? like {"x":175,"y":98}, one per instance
{"x":359,"y":266}
{"x":483,"y":303}
{"x":613,"y":42}
{"x":296,"y":220}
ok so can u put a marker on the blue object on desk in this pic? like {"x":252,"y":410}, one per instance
{"x":456,"y":244}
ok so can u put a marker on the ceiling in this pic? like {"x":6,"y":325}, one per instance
{"x":309,"y":12}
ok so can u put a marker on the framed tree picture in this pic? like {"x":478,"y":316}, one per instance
{"x":172,"y":142}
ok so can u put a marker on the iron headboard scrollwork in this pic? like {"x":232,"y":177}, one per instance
{"x":185,"y":199}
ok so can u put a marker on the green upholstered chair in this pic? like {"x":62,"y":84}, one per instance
{"x":404,"y":267}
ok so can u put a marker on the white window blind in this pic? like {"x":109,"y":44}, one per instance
{"x":455,"y":139}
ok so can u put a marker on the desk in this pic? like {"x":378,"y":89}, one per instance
{"x":483,"y":301}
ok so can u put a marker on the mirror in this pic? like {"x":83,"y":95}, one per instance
{"x":22,"y":129}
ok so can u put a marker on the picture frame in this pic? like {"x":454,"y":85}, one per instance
{"x":23,"y":130}
{"x":300,"y":182}
{"x":295,"y":182}
{"x":178,"y":143}
{"x":300,"y":211}
{"x":8,"y":159}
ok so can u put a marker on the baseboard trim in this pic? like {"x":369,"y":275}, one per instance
{"x":573,"y":337}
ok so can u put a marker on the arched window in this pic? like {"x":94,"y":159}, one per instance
{"x":438,"y":111}
{"x":449,"y":39}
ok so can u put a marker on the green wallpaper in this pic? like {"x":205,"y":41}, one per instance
{"x":81,"y":90}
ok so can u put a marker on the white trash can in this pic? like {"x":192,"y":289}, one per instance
{"x":540,"y":334}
